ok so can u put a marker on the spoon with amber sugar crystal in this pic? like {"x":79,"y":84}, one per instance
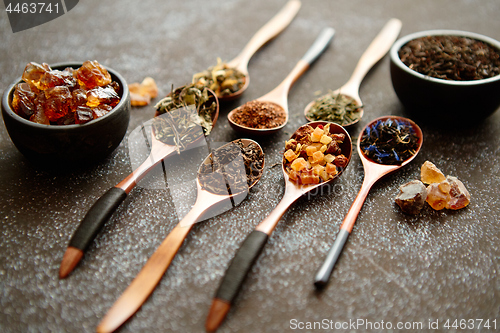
{"x":350,"y":90}
{"x":252,"y":246}
{"x":277,"y":98}
{"x":267,"y":32}
{"x":373,"y":172}
{"x":148,"y":278}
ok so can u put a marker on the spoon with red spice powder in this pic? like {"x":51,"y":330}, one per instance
{"x":269,"y":113}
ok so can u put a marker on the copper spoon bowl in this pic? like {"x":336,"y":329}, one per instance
{"x":279,"y":95}
{"x":270,"y":30}
{"x":377,"y":49}
{"x":373,"y":172}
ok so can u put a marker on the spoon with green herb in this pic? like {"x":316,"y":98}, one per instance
{"x":230,"y":80}
{"x":343,"y":106}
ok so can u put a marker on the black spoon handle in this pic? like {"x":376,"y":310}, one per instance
{"x":95,"y":218}
{"x":240,"y":265}
{"x":325,"y":271}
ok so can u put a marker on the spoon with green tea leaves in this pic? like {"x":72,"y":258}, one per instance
{"x":344,"y":106}
{"x":230,"y":80}
{"x":385,"y":145}
{"x":224,"y":177}
{"x":316,"y":154}
{"x":182,"y":120}
{"x":269,"y":113}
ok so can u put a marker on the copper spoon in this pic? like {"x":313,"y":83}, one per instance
{"x":270,"y":30}
{"x":279,"y":95}
{"x":377,"y":49}
{"x":150,"y":275}
{"x":104,"y":207}
{"x":373,"y":172}
{"x":254,"y":243}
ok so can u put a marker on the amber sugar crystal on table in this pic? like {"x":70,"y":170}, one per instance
{"x":442,"y":192}
{"x":314,"y":155}
{"x":71,"y":96}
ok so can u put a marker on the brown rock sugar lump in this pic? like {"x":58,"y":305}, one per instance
{"x":54,"y":78}
{"x":259,"y":115}
{"x":58,"y":102}
{"x":34,"y":72}
{"x":411,"y":197}
{"x":142,"y":93}
{"x":102,"y":95}
{"x":23,"y":100}
{"x":92,"y":75}
{"x":438,"y":194}
{"x":459,"y":196}
{"x":429,"y":173}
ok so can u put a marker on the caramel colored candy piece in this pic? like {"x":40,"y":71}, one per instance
{"x":23,"y":100}
{"x":459,"y":196}
{"x":83,"y":114}
{"x":79,"y":98}
{"x":58,"y":102}
{"x":141,"y":94}
{"x":55,"y":78}
{"x":92,"y":75}
{"x":39,"y":116}
{"x":101,"y":110}
{"x":438,"y":194}
{"x":100,"y":95}
{"x":34,"y":72}
{"x":411,"y":197}
{"x":429,"y":173}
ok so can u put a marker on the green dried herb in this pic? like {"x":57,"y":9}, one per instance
{"x":182,"y":114}
{"x":221,"y":79}
{"x":336,"y":108}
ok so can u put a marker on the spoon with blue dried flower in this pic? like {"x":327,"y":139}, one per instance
{"x":182,"y":120}
{"x":344,"y":106}
{"x":385,"y":145}
{"x":230,"y":80}
{"x":316,"y":155}
{"x":224,"y":177}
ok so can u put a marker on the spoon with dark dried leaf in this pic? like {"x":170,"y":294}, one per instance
{"x":385,"y":145}
{"x":344,"y":106}
{"x":193,"y":114}
{"x":230,"y":80}
{"x":330,"y":148}
{"x":224,"y":177}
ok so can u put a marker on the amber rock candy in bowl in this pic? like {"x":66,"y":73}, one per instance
{"x":77,"y":144}
{"x":444,"y":97}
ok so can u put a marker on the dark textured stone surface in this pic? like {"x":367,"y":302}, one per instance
{"x":396,"y":268}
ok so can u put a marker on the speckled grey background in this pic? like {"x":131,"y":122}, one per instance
{"x":437,"y":266}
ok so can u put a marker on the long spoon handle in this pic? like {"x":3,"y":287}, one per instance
{"x":280,"y":93}
{"x":270,"y":30}
{"x":376,"y":50}
{"x":243,"y":261}
{"x":145,"y":282}
{"x":323,"y":274}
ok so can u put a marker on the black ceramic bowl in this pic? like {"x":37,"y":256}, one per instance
{"x":439,"y":100}
{"x":63,"y":145}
